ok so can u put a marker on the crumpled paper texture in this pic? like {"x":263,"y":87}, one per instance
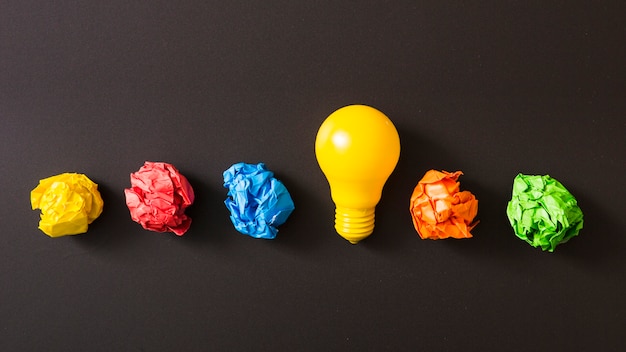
{"x":543,"y":212}
{"x":440,"y":210}
{"x":158,"y":197}
{"x":69,"y":202}
{"x":257,"y":201}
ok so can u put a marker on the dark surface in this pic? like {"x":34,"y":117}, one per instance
{"x":491,"y":89}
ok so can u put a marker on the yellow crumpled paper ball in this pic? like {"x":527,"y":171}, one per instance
{"x":69,"y":202}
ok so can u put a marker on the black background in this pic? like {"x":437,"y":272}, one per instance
{"x":492,"y":89}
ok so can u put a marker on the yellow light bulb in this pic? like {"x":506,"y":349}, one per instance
{"x":357,"y":148}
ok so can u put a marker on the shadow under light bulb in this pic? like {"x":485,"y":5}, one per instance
{"x":357,"y":148}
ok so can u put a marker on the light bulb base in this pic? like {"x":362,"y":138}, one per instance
{"x":354,"y":224}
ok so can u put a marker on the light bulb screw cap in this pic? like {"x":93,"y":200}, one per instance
{"x":354,"y":224}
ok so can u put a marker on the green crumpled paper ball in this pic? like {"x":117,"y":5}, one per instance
{"x":542,"y":212}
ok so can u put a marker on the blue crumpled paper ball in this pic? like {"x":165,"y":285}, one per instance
{"x":257,"y":201}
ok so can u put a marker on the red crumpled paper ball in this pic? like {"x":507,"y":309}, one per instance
{"x":158,"y":197}
{"x":440,"y":210}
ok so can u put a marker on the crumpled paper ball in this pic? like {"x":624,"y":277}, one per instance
{"x":440,"y":210}
{"x":543,"y":212}
{"x":158,"y":197}
{"x":257,"y":201}
{"x":69,"y":202}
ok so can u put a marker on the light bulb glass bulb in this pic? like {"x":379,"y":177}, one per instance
{"x":357,"y":148}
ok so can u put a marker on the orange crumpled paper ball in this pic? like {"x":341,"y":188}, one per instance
{"x":440,"y":210}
